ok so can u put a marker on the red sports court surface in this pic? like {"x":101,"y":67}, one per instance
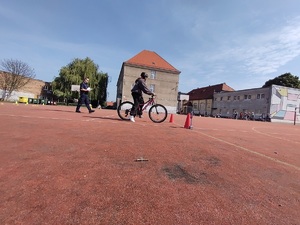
{"x":61,"y":167}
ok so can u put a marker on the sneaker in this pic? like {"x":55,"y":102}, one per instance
{"x":77,"y":111}
{"x":91,"y":111}
{"x":132,"y":119}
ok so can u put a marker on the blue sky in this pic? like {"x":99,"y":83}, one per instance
{"x":243,"y":43}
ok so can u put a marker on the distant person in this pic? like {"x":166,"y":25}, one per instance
{"x":189,"y":107}
{"x":268,"y":118}
{"x":252,"y":116}
{"x":235,"y":114}
{"x":241,"y":115}
{"x":137,"y":94}
{"x":84,"y":96}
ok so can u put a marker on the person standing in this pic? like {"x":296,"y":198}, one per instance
{"x":84,"y":96}
{"x":137,"y":94}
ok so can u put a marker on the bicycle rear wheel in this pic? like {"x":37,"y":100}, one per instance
{"x":124,"y":110}
{"x":158,"y":113}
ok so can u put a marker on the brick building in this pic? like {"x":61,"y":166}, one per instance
{"x":33,"y":89}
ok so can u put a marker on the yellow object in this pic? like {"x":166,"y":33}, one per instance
{"x":23,"y":99}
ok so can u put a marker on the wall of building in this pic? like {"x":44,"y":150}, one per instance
{"x":31,"y":90}
{"x":165,"y":86}
{"x":285,"y":103}
{"x":255,"y":101}
{"x":203,"y":106}
{"x":15,"y":95}
{"x":120,"y":85}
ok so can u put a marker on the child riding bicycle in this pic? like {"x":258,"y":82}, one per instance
{"x":137,"y":94}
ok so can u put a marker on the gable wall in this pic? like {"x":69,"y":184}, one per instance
{"x":166,"y":86}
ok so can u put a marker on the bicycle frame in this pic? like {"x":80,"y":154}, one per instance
{"x":147,"y":103}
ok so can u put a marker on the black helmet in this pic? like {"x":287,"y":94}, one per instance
{"x":144,"y":75}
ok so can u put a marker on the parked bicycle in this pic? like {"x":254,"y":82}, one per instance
{"x":157,"y":112}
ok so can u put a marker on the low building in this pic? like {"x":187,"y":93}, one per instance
{"x":274,"y":103}
{"x":37,"y":89}
{"x":242,"y":103}
{"x":202,"y":98}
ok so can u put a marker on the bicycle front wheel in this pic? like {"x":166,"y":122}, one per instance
{"x":158,"y":113}
{"x":124,"y":110}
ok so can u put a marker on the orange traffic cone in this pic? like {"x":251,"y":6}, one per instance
{"x":187,"y":124}
{"x":171,"y":119}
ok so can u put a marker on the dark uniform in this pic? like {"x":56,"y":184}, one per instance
{"x":84,"y":97}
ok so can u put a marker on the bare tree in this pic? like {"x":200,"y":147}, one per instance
{"x":15,"y":74}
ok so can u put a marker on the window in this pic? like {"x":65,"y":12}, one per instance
{"x":221,"y":99}
{"x":234,"y":98}
{"x":258,"y":96}
{"x":262,"y":96}
{"x":249,"y":96}
{"x":245,"y":96}
{"x":152,"y":87}
{"x":228,"y":97}
{"x":153,"y":74}
{"x":238,"y":97}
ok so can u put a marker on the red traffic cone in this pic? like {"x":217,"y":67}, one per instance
{"x":171,"y":119}
{"x":187,"y":124}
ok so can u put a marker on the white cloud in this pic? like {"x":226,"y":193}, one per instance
{"x":258,"y":54}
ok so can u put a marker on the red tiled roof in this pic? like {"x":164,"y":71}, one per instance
{"x":151,"y":60}
{"x":208,"y":92}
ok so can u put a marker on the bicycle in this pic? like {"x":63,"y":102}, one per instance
{"x":157,"y":112}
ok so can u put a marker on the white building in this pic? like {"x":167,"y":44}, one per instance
{"x":280,"y":104}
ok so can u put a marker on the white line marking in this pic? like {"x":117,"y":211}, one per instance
{"x":254,"y":129}
{"x":248,"y":150}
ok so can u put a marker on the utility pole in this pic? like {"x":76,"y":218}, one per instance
{"x":295,"y":115}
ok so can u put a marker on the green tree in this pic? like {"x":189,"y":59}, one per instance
{"x":74,"y":73}
{"x":16,"y":74}
{"x":286,"y":80}
{"x":102,"y":89}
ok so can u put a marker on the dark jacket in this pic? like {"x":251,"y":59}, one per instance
{"x":83,"y":85}
{"x":140,"y":86}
